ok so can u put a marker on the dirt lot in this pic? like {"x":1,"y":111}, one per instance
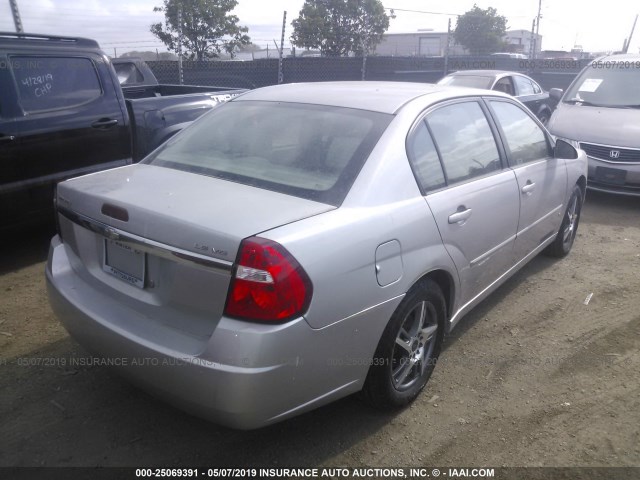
{"x":532,"y":377}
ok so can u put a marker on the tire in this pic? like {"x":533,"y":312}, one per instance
{"x":563,"y":242}
{"x":408,"y":350}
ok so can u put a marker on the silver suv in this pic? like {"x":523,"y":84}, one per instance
{"x":600,"y":113}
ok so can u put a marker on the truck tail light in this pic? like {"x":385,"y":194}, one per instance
{"x":268,"y":285}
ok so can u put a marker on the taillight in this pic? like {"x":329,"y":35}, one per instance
{"x":269,"y":285}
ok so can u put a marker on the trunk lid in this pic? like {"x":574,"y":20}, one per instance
{"x":168,"y":257}
{"x":192,"y":212}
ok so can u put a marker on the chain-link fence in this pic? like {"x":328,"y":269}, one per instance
{"x":263,"y":72}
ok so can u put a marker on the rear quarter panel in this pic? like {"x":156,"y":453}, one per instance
{"x":338,"y":248}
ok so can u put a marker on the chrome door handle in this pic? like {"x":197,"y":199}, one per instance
{"x":104,"y":123}
{"x":460,"y":216}
{"x":7,"y":139}
{"x":528,"y":188}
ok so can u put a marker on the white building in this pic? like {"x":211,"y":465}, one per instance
{"x":433,"y":44}
{"x":522,"y":40}
{"x":419,"y":44}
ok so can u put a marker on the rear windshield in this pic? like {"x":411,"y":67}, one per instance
{"x":472,"y":81}
{"x":617,"y":85}
{"x":310,"y":151}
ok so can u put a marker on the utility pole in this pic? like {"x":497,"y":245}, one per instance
{"x":535,"y":51}
{"x":180,"y":76}
{"x":16,"y":16}
{"x":446,"y":49}
{"x":532,"y":42}
{"x":626,"y":47}
{"x":281,"y":50}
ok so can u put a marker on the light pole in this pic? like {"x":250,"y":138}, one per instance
{"x":535,"y":44}
{"x":16,"y":15}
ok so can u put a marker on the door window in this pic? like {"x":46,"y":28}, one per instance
{"x":525,"y":139}
{"x":52,"y":83}
{"x":524,"y":85}
{"x":465,"y":141}
{"x":536,"y":88}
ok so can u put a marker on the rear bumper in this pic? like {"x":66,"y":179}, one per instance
{"x":245,"y":376}
{"x":618,"y":178}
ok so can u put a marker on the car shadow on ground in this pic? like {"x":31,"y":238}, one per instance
{"x":25,"y":246}
{"x":480,"y":311}
{"x":609,"y":209}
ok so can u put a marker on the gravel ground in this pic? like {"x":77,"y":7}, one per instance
{"x":532,"y":377}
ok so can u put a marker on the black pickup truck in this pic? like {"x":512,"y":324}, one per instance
{"x":63,"y":113}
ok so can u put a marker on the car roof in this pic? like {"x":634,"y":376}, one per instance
{"x":45,"y":41}
{"x":485,"y":73}
{"x":384,"y":97}
{"x":620,"y":57}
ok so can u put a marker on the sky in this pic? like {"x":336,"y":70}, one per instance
{"x":123,"y":25}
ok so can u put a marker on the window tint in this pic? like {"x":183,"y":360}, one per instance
{"x":424,"y":159}
{"x":309,"y":151}
{"x":473,"y":81}
{"x":465,"y":141}
{"x":48,"y":83}
{"x":526,"y":140}
{"x":505,"y":85}
{"x":128,"y":73}
{"x":524,"y":85}
{"x":536,"y":88}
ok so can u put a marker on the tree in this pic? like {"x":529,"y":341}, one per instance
{"x":208,"y":29}
{"x":481,"y":31}
{"x":339,"y":27}
{"x":250,"y":47}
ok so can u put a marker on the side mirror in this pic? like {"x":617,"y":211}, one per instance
{"x":556,"y":93}
{"x":564,"y":150}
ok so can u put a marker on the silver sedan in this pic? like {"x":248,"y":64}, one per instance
{"x":306,"y":242}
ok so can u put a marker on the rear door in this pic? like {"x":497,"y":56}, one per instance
{"x":70,"y":120}
{"x":9,"y":144}
{"x":542,"y":179}
{"x":526,"y":93}
{"x":472,"y":196}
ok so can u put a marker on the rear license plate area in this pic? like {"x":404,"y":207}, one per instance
{"x":124,"y":261}
{"x":612,"y":176}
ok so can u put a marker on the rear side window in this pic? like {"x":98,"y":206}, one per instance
{"x":52,"y":83}
{"x":464,"y":138}
{"x":505,"y":85}
{"x":525,"y":139}
{"x":128,"y":73}
{"x":424,"y":159}
{"x":311,"y":151}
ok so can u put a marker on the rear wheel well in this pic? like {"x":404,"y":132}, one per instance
{"x":445,"y":282}
{"x":582,"y":183}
